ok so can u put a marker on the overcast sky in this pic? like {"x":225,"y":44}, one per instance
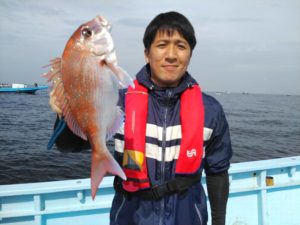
{"x":243,"y":45}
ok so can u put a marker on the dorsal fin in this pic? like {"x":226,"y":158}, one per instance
{"x":58,"y":100}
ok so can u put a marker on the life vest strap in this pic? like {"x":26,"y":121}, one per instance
{"x":177,"y":185}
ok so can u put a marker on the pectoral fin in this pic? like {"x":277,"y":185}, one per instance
{"x":116,"y":123}
{"x":124,"y":78}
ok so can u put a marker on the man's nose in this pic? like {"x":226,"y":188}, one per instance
{"x":171,"y":55}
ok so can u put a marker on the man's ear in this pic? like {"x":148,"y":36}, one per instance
{"x":146,"y":53}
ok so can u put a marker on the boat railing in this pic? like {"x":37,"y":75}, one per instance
{"x":263,"y":192}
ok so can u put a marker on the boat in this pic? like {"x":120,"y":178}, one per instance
{"x":265,"y":192}
{"x":21,"y":88}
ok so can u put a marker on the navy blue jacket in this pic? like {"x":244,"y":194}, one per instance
{"x":163,"y":121}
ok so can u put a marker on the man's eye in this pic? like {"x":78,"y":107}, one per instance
{"x":161,"y":45}
{"x":182,"y":47}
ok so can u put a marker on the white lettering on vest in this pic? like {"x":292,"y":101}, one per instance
{"x":191,"y":153}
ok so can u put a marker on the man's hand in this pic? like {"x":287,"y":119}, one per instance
{"x":57,"y":90}
{"x":54,"y":104}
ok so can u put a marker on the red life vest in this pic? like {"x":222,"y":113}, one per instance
{"x":191,"y":147}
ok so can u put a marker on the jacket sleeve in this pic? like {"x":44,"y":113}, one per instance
{"x":217,"y":162}
{"x":67,"y":141}
{"x":218,"y":190}
{"x":218,"y":151}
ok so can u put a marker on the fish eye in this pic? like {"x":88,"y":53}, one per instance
{"x":86,"y":32}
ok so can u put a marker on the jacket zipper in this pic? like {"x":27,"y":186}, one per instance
{"x":162,"y":203}
{"x":119,"y":209}
{"x":198,"y":213}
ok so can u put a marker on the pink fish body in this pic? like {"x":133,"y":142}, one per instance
{"x":85,"y":83}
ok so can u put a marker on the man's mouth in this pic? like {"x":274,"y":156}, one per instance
{"x":170,"y":67}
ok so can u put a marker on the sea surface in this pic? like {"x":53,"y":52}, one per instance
{"x":261,"y":126}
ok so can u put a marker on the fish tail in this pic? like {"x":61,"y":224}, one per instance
{"x":102,"y":165}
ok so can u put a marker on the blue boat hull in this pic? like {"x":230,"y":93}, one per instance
{"x":263,"y":192}
{"x":27,"y":90}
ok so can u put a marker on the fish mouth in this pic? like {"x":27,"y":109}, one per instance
{"x":99,"y":53}
{"x":104,"y":22}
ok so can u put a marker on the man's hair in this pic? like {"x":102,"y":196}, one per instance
{"x":169,"y":22}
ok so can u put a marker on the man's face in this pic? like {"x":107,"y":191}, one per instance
{"x":169,"y":57}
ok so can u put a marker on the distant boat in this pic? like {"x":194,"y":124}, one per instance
{"x":222,"y":92}
{"x":21,"y":88}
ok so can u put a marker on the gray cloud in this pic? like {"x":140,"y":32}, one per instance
{"x":134,"y":22}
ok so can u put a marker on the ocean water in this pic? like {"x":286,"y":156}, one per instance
{"x":261,"y":126}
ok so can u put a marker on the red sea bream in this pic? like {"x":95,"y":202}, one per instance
{"x":85,"y":83}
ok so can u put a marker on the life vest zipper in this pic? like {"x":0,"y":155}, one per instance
{"x":198,"y":213}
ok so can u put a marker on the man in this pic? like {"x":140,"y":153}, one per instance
{"x":172,"y":132}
